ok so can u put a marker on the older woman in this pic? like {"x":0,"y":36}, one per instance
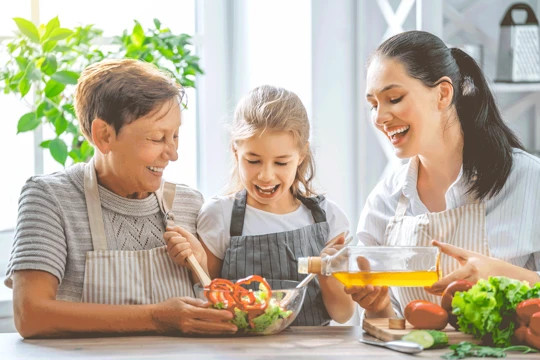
{"x":469,"y":183}
{"x":89,"y":254}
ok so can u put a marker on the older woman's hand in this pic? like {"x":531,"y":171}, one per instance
{"x":191,"y":316}
{"x":475,"y":266}
{"x":181,"y":244}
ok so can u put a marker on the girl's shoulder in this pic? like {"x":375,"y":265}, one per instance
{"x":218,"y":205}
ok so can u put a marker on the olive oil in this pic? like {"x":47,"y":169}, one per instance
{"x":388,"y":278}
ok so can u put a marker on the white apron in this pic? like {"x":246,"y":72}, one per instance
{"x":128,"y":277}
{"x":464,"y":227}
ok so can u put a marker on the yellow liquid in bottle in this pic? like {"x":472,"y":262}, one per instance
{"x":388,"y":278}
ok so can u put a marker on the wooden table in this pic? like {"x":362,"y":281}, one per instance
{"x":331,"y":342}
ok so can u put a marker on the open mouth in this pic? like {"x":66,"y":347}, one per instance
{"x":399,"y":132}
{"x":155,"y":169}
{"x":267,"y":190}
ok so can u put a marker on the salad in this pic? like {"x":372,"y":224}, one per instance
{"x":259,"y":311}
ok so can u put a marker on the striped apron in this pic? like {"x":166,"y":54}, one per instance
{"x":464,"y":227}
{"x":274,"y":256}
{"x":128,"y":277}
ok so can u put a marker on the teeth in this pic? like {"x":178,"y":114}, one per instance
{"x":397,"y":131}
{"x":155,"y":169}
{"x":267,"y":190}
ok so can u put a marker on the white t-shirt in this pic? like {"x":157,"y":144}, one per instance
{"x":214,"y":222}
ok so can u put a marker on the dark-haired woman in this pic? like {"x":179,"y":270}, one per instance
{"x":468,"y":184}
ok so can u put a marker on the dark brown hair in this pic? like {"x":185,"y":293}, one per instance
{"x":488,"y":141}
{"x":121,"y":91}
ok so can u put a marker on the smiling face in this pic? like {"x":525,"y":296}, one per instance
{"x":267,"y":165}
{"x":141,"y":150}
{"x":403,"y":108}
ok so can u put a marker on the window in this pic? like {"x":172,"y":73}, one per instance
{"x":112,"y":17}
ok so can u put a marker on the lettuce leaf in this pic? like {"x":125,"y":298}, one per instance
{"x":487,"y":310}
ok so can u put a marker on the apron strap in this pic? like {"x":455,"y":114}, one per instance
{"x":313,"y":204}
{"x":93,"y":206}
{"x":402,"y":205}
{"x":238,"y":213}
{"x":165,"y":195}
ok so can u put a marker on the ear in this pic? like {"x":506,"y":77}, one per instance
{"x":103,"y":135}
{"x":445,"y":93}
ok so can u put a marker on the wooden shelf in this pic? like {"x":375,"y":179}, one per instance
{"x":515,"y":87}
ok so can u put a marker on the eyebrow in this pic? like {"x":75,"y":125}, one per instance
{"x":277,"y":157}
{"x":386,"y":88}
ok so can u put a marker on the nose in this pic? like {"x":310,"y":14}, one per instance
{"x":266,"y":174}
{"x":381,"y":116}
{"x":171,"y":151}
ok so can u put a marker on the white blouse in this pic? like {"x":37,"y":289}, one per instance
{"x":512,"y":216}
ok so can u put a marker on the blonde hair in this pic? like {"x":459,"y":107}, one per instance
{"x":277,"y":109}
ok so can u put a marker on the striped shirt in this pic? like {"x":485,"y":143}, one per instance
{"x":512,"y":216}
{"x":53,"y":231}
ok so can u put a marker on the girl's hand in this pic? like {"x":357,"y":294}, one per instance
{"x":475,"y":266}
{"x":374,"y":299}
{"x":181,"y":244}
{"x":337,"y":245}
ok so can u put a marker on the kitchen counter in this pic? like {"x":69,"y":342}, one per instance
{"x":330,"y":342}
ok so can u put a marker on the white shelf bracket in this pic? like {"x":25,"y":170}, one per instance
{"x":395,"y":20}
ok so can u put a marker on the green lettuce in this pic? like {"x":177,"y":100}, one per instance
{"x":488,"y":309}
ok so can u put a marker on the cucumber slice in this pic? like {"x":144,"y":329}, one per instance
{"x":421,"y":337}
{"x":429,"y":339}
{"x":441,"y":338}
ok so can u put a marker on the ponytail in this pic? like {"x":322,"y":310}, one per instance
{"x":488,"y":141}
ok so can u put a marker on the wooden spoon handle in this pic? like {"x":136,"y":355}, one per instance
{"x":201,"y":274}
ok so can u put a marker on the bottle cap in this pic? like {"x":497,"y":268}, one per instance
{"x":315,"y":265}
{"x":396,"y":323}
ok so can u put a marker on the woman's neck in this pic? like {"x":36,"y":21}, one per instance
{"x":107,"y":178}
{"x":439,"y":168}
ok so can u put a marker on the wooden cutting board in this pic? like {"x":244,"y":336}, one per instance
{"x":379,"y":329}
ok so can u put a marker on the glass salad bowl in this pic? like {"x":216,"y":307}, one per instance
{"x":259,"y":306}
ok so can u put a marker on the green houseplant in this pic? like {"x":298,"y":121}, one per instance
{"x":42,"y":64}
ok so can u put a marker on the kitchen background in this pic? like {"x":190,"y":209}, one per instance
{"x":316,"y":48}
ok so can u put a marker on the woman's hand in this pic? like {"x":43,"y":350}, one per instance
{"x":181,"y":244}
{"x":191,"y":316}
{"x":475,"y":266}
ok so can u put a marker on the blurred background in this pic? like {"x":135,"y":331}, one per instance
{"x":316,"y":48}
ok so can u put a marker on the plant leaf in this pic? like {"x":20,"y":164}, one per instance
{"x":52,"y":25}
{"x":60,"y":125}
{"x":86,"y":150}
{"x":53,"y":88}
{"x":45,"y":144}
{"x":157,"y":23}
{"x":137,"y":37}
{"x":58,"y":149}
{"x":49,"y":45}
{"x":50,"y":65}
{"x":66,"y":77}
{"x":28,"y":122}
{"x":22,"y":62}
{"x":28,"y":29}
{"x":24,"y":86}
{"x":59,"y":34}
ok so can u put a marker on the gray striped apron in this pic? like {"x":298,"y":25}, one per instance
{"x":128,"y":277}
{"x":274,"y":256}
{"x":464,"y":227}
